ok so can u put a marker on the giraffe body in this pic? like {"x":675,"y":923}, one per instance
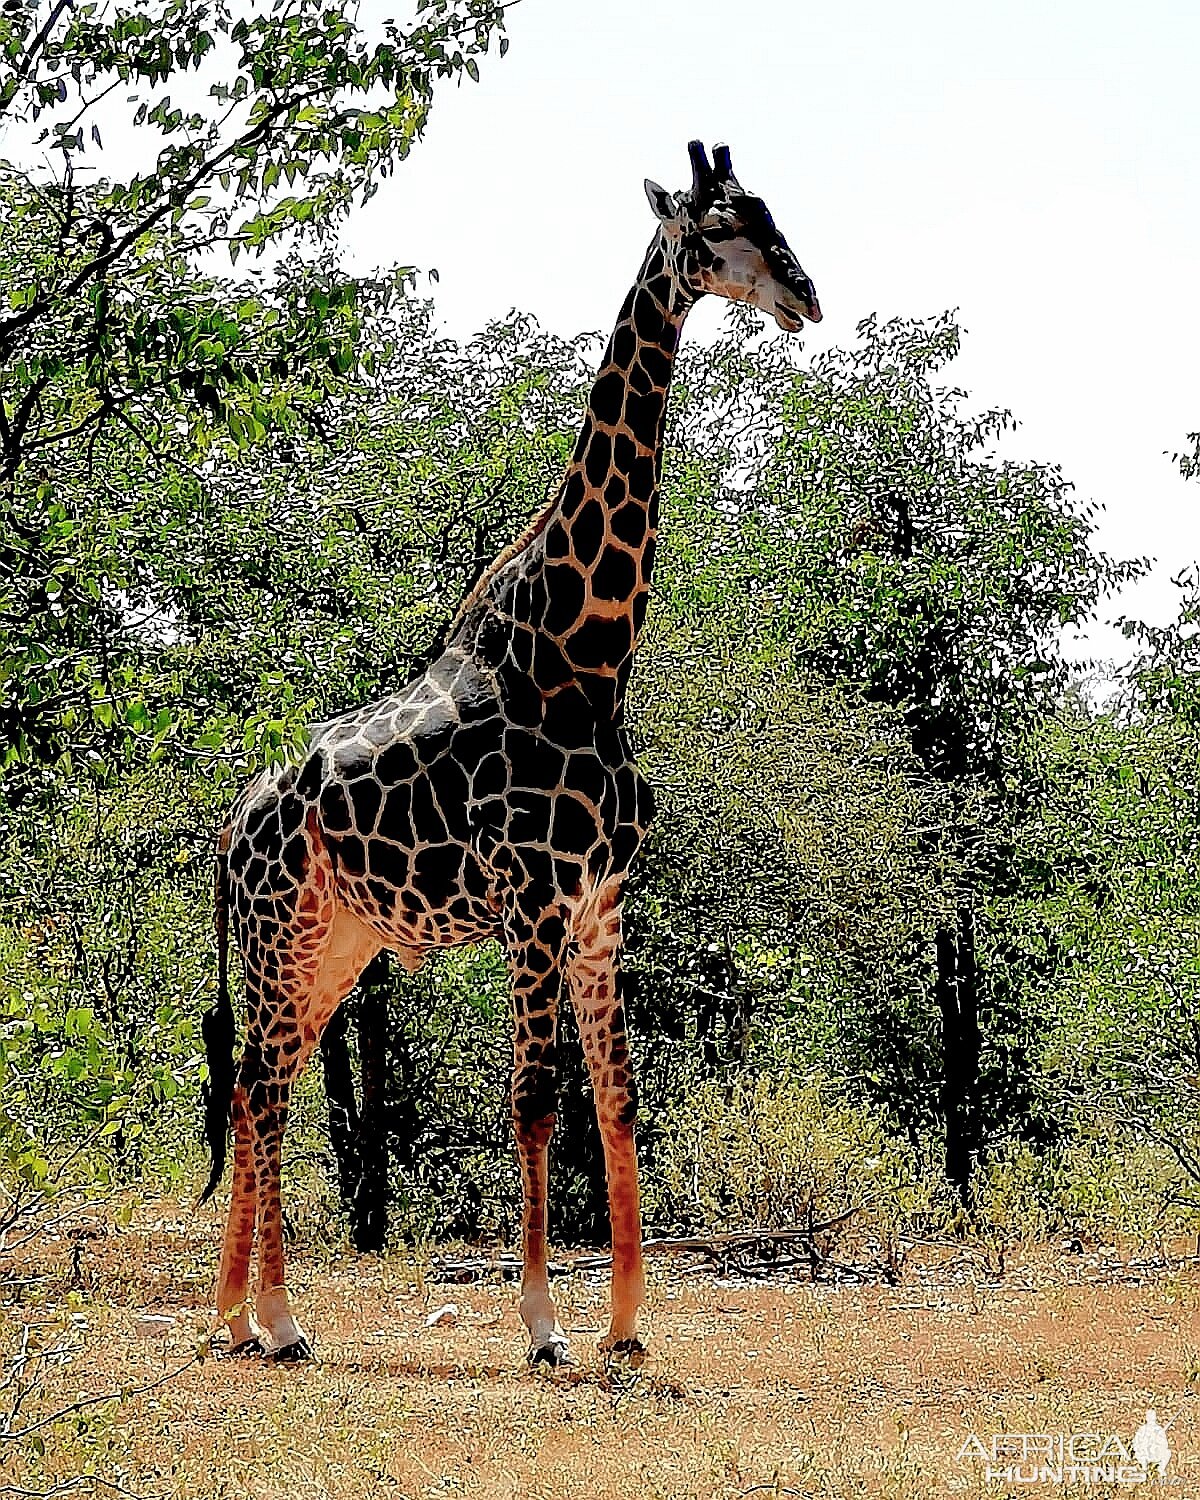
{"x":494,"y":796}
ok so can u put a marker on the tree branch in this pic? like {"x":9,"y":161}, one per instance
{"x":43,"y":303}
{"x":86,"y":1401}
{"x":25,"y":66}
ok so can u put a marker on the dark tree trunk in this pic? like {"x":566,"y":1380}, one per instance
{"x":343,"y":1107}
{"x":579,"y":1204}
{"x":359,"y":1135}
{"x":956,"y":990}
{"x":369,"y":1211}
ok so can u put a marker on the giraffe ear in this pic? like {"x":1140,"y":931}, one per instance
{"x":662,"y":202}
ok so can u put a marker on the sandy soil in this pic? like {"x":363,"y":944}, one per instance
{"x":747,"y":1389}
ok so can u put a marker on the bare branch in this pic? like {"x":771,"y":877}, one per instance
{"x":87,"y":1401}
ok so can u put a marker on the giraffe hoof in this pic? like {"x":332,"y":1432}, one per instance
{"x":253,"y":1346}
{"x":295,"y":1353}
{"x":555,"y":1353}
{"x":629,"y":1352}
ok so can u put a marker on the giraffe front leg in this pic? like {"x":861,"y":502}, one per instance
{"x":233,"y":1277}
{"x":601,"y":1016}
{"x":615,"y":1111}
{"x":535,"y":956}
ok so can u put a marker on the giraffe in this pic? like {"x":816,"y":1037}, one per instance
{"x":493,"y":796}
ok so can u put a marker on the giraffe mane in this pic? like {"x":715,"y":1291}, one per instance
{"x":518,"y":545}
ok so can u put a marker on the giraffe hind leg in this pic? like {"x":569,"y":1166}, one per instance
{"x":300,"y":1013}
{"x":271,"y":1304}
{"x":233,"y":1278}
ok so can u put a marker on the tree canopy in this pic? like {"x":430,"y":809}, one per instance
{"x":902,"y":859}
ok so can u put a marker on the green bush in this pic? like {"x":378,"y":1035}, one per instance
{"x":1131,"y":1191}
{"x":773,"y":1152}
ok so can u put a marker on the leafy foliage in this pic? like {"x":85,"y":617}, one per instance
{"x":123,"y":362}
{"x":879,"y":540}
{"x":896,"y":854}
{"x":776,"y":1154}
{"x":1120,"y":841}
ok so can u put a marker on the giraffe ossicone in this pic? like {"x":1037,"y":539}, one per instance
{"x":493,"y":796}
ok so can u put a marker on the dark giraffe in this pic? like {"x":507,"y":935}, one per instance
{"x":493,"y":796}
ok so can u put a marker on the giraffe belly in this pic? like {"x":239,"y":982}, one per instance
{"x":431,"y":896}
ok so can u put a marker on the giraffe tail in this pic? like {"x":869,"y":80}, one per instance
{"x":218,"y":1029}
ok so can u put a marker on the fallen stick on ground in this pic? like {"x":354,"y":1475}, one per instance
{"x":714,"y":1246}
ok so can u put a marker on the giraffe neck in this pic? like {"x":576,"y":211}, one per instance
{"x":570,"y":596}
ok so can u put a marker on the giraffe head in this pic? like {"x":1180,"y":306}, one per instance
{"x":722,"y":239}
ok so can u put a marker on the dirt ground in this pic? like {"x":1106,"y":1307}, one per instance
{"x":747,"y":1389}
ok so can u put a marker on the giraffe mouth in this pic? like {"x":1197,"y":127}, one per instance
{"x":791,"y":316}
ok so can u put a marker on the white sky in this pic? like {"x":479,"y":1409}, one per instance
{"x":1034,"y":164}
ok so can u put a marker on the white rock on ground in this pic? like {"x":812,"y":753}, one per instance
{"x":154,"y":1325}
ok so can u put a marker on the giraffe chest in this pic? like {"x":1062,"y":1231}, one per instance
{"x":584,"y":807}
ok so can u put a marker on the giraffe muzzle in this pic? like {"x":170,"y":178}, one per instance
{"x":792,"y":313}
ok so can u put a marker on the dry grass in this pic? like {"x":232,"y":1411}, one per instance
{"x":747,"y":1390}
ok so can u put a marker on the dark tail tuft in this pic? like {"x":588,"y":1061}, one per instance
{"x":218,"y":1029}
